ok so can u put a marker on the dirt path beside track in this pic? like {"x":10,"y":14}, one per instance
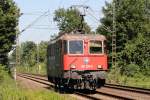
{"x":32,"y":85}
{"x":29,"y":84}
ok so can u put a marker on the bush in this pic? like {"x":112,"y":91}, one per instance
{"x":113,"y":75}
{"x":131,"y":70}
{"x":136,"y":56}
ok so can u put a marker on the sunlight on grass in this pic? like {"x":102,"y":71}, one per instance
{"x":138,"y":80}
{"x":10,"y":91}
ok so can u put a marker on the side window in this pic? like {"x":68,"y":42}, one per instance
{"x":95,"y":47}
{"x":65,"y":47}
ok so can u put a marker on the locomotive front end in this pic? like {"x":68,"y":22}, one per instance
{"x":85,"y":62}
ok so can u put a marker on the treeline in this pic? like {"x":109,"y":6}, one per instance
{"x":32,"y":53}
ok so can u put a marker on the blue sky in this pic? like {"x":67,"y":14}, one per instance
{"x":45,"y":27}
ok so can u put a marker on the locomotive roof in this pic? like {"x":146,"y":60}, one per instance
{"x":79,"y":37}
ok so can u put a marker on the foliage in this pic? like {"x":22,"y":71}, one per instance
{"x":132,"y":35}
{"x":28,"y":54}
{"x":2,"y":73}
{"x":131,"y":70}
{"x":69,"y":20}
{"x":32,"y":57}
{"x":138,"y":80}
{"x":9,"y":14}
{"x":34,"y":69}
{"x":113,"y":75}
{"x":129,"y":21}
{"x":136,"y":56}
{"x":43,"y":51}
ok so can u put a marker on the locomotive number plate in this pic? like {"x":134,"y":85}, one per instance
{"x":86,"y":66}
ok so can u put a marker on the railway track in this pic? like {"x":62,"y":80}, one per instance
{"x":128,"y":88}
{"x":106,"y":93}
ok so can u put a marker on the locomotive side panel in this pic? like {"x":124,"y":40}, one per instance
{"x":50,"y":60}
{"x":55,"y":66}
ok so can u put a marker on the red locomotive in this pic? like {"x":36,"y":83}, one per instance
{"x":77,"y":60}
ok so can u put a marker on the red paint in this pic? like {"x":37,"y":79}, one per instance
{"x":78,"y":61}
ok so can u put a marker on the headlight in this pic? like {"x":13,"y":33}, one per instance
{"x":99,"y":66}
{"x":72,"y":66}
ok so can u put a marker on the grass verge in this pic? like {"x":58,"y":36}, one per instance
{"x":10,"y":91}
{"x":138,"y":80}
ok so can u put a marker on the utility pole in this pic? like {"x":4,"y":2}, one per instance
{"x":38,"y":66}
{"x":17,"y":52}
{"x":17,"y":55}
{"x":114,"y":35}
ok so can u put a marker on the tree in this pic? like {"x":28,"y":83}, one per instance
{"x":69,"y":20}
{"x":9,"y":14}
{"x":43,"y":51}
{"x":132,"y":17}
{"x":136,"y":53}
{"x":28,"y":54}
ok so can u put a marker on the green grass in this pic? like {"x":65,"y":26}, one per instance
{"x":143,"y":82}
{"x":137,"y":80}
{"x":33,"y":69}
{"x":9,"y":90}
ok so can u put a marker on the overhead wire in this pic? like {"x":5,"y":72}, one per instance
{"x":95,"y":19}
{"x":31,"y":24}
{"x":104,"y":26}
{"x":85,"y":2}
{"x":36,"y":13}
{"x":93,"y":25}
{"x":39,"y":28}
{"x":41,"y":25}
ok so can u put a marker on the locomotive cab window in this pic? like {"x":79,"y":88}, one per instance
{"x":95,"y":47}
{"x":75,"y":47}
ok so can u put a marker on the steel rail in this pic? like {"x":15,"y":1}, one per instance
{"x":114,"y":96}
{"x":38,"y":80}
{"x":128,"y":88}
